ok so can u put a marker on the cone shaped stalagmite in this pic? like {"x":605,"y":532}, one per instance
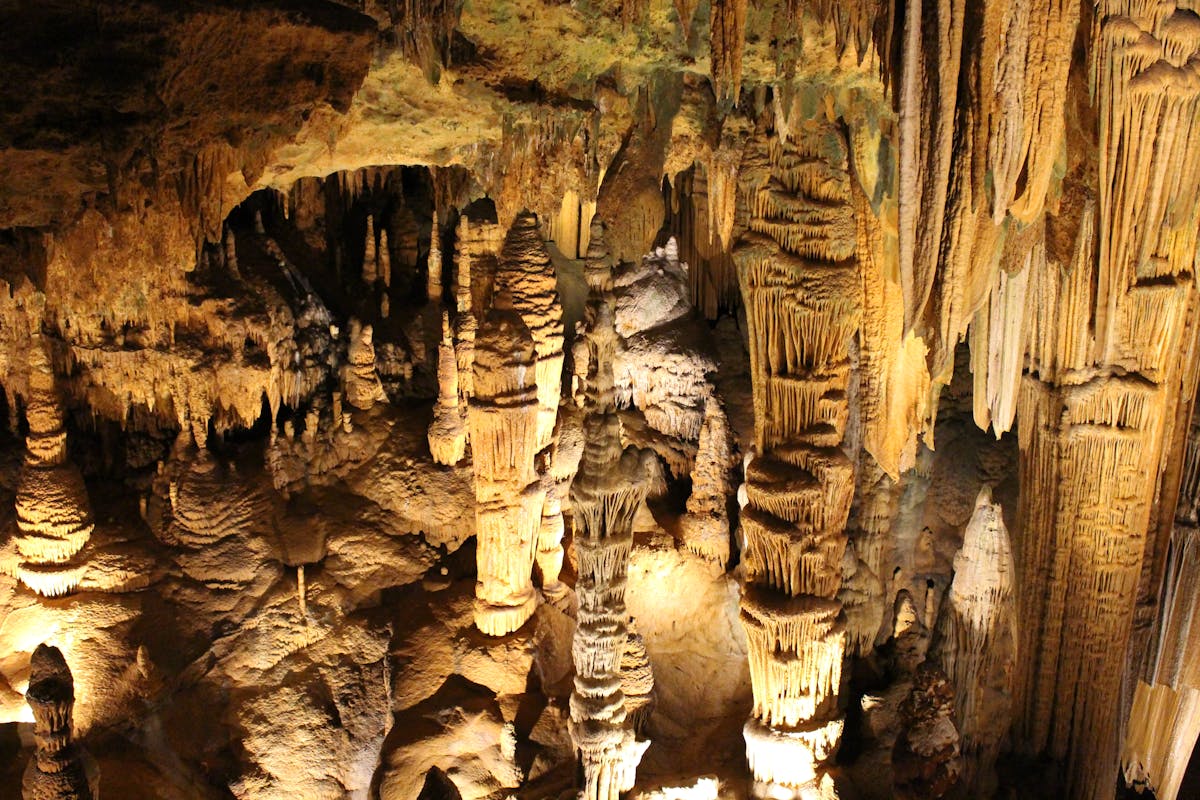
{"x":975,"y":642}
{"x":54,"y":515}
{"x":448,"y":431}
{"x":503,"y":419}
{"x":608,"y":489}
{"x":706,"y":524}
{"x":60,"y":769}
{"x":802,"y":293}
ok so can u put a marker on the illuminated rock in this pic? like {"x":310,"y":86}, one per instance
{"x":706,"y":524}
{"x":361,"y":386}
{"x":503,"y":417}
{"x":60,"y":768}
{"x":54,"y":515}
{"x":448,"y":431}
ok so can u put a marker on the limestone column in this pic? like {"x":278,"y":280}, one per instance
{"x":503,"y":418}
{"x":801,"y":287}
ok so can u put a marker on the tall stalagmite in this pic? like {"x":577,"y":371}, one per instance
{"x":605,"y":495}
{"x":706,"y":525}
{"x":503,"y":419}
{"x":448,"y":430}
{"x":54,"y":515}
{"x":60,"y":768}
{"x":802,"y":292}
{"x":975,"y":642}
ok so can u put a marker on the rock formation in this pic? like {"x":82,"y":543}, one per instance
{"x":799,"y":279}
{"x":976,"y":639}
{"x":925,"y":762}
{"x":503,"y":417}
{"x":360,"y":382}
{"x":300,"y":281}
{"x":527,"y":275}
{"x":54,"y":515}
{"x":448,"y":431}
{"x":608,"y":489}
{"x":60,"y":768}
{"x":706,"y":524}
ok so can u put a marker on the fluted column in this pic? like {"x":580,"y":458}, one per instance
{"x":802,"y":292}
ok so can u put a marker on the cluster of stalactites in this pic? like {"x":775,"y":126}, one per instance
{"x":54,"y":515}
{"x":502,"y":421}
{"x":60,"y":769}
{"x":1164,"y":722}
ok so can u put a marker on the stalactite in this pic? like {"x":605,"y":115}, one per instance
{"x":802,"y":293}
{"x":448,"y":431}
{"x":727,"y":38}
{"x":60,"y":768}
{"x":54,"y":514}
{"x":433,"y":288}
{"x":370,"y":266}
{"x":503,"y":418}
{"x":975,"y":642}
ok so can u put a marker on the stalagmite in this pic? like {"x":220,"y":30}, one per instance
{"x":60,"y":768}
{"x":802,"y":295}
{"x":610,"y":486}
{"x":527,"y":273}
{"x":637,"y":682}
{"x":360,"y":382}
{"x":706,"y":525}
{"x":925,"y":761}
{"x":975,"y":642}
{"x":448,"y":431}
{"x":54,"y":515}
{"x":605,"y":495}
{"x":503,"y":419}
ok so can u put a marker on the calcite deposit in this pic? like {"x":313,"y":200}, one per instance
{"x":631,"y":400}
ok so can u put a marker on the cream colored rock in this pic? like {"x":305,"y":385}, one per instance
{"x":448,"y":431}
{"x":360,"y":383}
